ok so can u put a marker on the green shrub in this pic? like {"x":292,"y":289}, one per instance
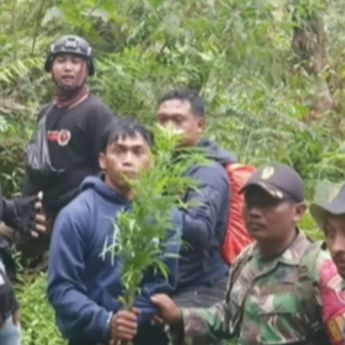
{"x":37,"y":317}
{"x":236,"y":53}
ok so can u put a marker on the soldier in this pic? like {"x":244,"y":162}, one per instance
{"x":282,"y":289}
{"x":330,"y":216}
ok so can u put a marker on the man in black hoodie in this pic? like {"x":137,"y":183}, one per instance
{"x":203,"y":273}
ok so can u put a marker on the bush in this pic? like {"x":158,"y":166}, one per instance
{"x":237,"y":54}
{"x":37,"y":317}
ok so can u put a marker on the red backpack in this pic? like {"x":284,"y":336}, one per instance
{"x":236,"y":236}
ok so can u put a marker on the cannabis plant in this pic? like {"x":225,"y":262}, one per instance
{"x":141,"y":232}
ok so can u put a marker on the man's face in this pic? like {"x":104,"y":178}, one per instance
{"x":335,"y":239}
{"x":268,"y":218}
{"x":177,"y":115}
{"x":123,"y":159}
{"x":69,"y":70}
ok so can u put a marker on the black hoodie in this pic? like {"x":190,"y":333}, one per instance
{"x":204,"y":225}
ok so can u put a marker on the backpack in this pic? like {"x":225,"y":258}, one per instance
{"x":236,"y":236}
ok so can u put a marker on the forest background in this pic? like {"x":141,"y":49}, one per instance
{"x":272,"y":73}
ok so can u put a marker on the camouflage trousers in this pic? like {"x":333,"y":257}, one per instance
{"x":202,"y":297}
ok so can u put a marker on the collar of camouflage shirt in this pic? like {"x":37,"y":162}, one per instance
{"x":290,"y":256}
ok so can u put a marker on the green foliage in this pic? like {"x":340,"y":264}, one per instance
{"x":236,"y":53}
{"x":11,"y":155}
{"x":140,"y":234}
{"x":37,"y":318}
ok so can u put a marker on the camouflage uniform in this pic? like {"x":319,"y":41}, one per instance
{"x":266,"y":302}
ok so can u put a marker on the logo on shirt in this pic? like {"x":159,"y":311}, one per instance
{"x":61,"y":137}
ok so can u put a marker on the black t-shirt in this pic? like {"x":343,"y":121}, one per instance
{"x":74,"y":141}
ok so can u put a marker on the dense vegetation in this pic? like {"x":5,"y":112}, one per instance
{"x":271,"y":72}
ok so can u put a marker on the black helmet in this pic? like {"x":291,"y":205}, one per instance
{"x":72,"y":45}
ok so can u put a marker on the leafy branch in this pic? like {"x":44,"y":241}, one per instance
{"x":140,"y":234}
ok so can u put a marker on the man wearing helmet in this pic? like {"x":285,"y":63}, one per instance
{"x":71,"y":124}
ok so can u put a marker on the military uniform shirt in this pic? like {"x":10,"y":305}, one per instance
{"x":265,"y":304}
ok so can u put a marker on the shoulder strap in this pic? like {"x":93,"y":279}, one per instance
{"x":46,"y":111}
{"x":37,"y":150}
{"x":240,"y":262}
{"x":237,"y":267}
{"x":307,"y":294}
{"x":235,"y":272}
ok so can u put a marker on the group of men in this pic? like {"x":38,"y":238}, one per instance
{"x":282,"y":289}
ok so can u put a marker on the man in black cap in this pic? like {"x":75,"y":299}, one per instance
{"x":279,"y":290}
{"x":330,"y":216}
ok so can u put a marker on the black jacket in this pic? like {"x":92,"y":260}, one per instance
{"x":203,"y":226}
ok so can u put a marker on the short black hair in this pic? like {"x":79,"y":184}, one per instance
{"x":196,"y":102}
{"x":123,"y":128}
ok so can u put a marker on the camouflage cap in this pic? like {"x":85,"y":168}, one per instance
{"x":334,"y":207}
{"x":278,"y":180}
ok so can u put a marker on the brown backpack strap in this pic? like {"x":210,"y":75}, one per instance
{"x":236,"y":269}
{"x":240,"y":262}
{"x":312,"y":315}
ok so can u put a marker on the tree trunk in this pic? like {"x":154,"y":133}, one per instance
{"x":309,"y":43}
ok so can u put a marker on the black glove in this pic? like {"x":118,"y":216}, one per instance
{"x":8,"y":303}
{"x":20,"y":213}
